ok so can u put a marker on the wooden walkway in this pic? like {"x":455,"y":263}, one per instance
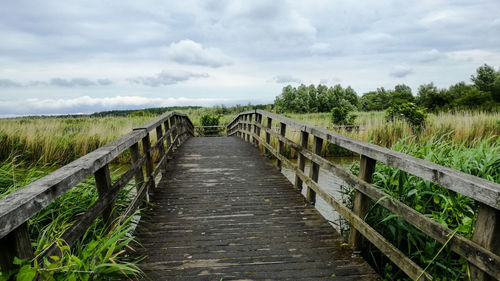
{"x":225,"y":213}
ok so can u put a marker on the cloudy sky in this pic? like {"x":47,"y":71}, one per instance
{"x":86,"y":56}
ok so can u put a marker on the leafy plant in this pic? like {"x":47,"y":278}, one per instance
{"x":409,"y":112}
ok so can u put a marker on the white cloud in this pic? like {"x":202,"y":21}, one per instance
{"x":190,"y":52}
{"x":166,"y":78}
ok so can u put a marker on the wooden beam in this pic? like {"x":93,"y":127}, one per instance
{"x":15,"y":244}
{"x":314,"y":170}
{"x":103,"y":184}
{"x":281,"y":146}
{"x":361,"y":201}
{"x":304,"y":141}
{"x":486,"y":234}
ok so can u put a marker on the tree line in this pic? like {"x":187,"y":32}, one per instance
{"x":483,"y":93}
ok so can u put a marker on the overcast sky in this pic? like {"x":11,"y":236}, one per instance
{"x":86,"y":56}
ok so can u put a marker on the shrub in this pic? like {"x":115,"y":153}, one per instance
{"x":341,"y":114}
{"x":410,"y":112}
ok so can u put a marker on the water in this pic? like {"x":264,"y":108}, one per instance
{"x":333,"y":185}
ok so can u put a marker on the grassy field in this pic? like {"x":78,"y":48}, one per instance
{"x":466,"y":141}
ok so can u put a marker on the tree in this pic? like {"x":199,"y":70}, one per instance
{"x":432,"y":98}
{"x":341,"y":113}
{"x":475,"y":98}
{"x":410,"y":112}
{"x":485,"y":78}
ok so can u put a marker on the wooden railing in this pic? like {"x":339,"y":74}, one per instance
{"x":209,"y":131}
{"x":17,"y":208}
{"x":482,"y":252}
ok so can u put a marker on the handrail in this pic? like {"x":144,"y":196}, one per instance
{"x":479,"y":252}
{"x":18,"y":207}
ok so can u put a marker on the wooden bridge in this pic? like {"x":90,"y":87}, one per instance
{"x":221,"y":211}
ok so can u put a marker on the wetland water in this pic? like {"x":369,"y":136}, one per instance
{"x":333,"y":185}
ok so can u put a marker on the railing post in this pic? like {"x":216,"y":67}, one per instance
{"x":135,"y":155}
{"x":268,"y":135}
{"x":146,"y":146}
{"x":486,"y":234}
{"x":314,"y":170}
{"x":304,"y":140}
{"x":15,"y":244}
{"x":103,"y":184}
{"x":258,"y":120}
{"x":168,"y":139}
{"x":281,"y":145}
{"x":159,"y":135}
{"x":249,"y":119}
{"x":251,"y":128}
{"x":244,"y":127}
{"x":361,"y":201}
{"x":174,"y":130}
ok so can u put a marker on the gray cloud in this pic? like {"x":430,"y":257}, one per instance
{"x":286,"y":79}
{"x":165,"y":78}
{"x":401,"y":72}
{"x":104,"y":82}
{"x":75,"y":82}
{"x":7,"y":83}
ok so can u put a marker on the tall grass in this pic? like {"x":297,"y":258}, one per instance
{"x":481,"y":158}
{"x":98,"y":255}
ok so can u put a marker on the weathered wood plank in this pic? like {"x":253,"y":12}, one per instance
{"x":304,"y":141}
{"x":15,"y":244}
{"x":361,"y":201}
{"x":103,"y":185}
{"x":486,"y":234}
{"x":474,"y":187}
{"x":314,"y":171}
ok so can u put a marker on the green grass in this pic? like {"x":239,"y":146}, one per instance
{"x":98,"y":255}
{"x":457,"y":212}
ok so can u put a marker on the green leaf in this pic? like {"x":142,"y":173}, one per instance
{"x":18,"y":261}
{"x":26,"y":273}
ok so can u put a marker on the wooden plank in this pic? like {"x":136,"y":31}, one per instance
{"x":268,"y":136}
{"x":19,"y":206}
{"x":15,"y":244}
{"x":135,"y":155}
{"x":304,"y":141}
{"x":103,"y":184}
{"x":361,"y":201}
{"x":281,"y":146}
{"x":395,"y":255}
{"x":474,"y":187}
{"x":314,"y":171}
{"x":471,"y":251}
{"x":486,"y":234}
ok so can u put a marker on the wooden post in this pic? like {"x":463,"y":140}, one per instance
{"x":304,"y":140}
{"x":281,"y":145}
{"x":135,"y":155}
{"x":314,"y":170}
{"x":361,"y":201}
{"x":250,"y":128}
{"x":169,"y":140}
{"x":268,"y":135}
{"x":486,"y":234}
{"x":146,"y":146}
{"x":258,"y":119}
{"x":103,"y":184}
{"x":179,"y":130}
{"x":15,"y":244}
{"x":244,"y":127}
{"x":161,"y":150}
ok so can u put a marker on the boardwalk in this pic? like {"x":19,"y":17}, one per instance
{"x":225,"y":213}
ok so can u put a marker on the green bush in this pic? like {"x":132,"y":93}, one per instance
{"x":341,"y":114}
{"x":410,"y":112}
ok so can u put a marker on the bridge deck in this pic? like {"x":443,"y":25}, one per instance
{"x":225,"y":213}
